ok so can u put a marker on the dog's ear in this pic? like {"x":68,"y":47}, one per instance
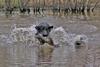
{"x":37,"y":28}
{"x":51,"y":27}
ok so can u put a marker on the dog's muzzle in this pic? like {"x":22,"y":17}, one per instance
{"x":45,"y":35}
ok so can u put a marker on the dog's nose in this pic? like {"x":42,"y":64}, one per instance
{"x":45,"y":35}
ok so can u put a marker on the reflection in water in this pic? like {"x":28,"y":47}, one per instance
{"x":52,"y":11}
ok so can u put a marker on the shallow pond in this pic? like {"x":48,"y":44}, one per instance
{"x":16,"y":55}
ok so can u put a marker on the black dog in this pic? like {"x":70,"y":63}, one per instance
{"x":43,"y":30}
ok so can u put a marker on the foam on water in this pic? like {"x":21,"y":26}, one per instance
{"x":5,"y":40}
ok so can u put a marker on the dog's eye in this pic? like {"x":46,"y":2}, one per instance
{"x":81,"y":38}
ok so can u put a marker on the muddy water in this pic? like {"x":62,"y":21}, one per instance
{"x":17,"y":55}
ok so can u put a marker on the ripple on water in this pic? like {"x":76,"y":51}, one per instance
{"x":81,"y":28}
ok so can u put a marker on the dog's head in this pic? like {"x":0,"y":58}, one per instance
{"x":44,"y":29}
